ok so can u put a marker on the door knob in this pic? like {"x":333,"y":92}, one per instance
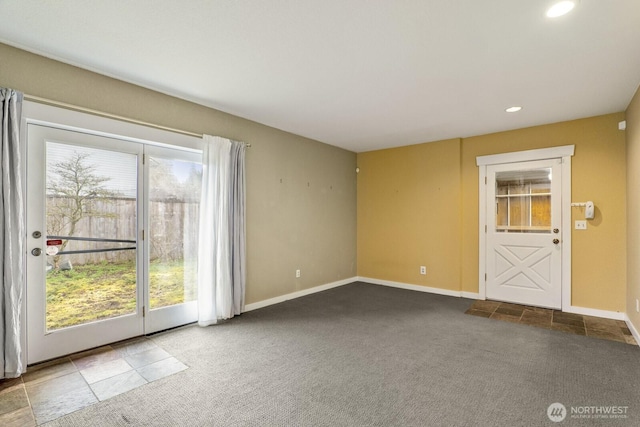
{"x":556,"y":241}
{"x":555,"y":230}
{"x":36,"y":251}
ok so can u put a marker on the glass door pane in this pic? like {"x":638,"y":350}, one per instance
{"x":91,"y":211}
{"x":523,"y":201}
{"x":174,"y":182}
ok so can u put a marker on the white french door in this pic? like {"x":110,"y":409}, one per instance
{"x":111,"y":234}
{"x":524,"y":243}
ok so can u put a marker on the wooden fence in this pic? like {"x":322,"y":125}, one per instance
{"x":172,"y":234}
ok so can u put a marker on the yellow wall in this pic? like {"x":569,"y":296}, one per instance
{"x":633,"y":209}
{"x":409,"y":214}
{"x":451,"y":247}
{"x":301,"y":194}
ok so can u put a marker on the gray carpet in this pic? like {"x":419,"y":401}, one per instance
{"x":368,"y":355}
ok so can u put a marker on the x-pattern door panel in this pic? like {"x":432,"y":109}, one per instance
{"x":523,"y":273}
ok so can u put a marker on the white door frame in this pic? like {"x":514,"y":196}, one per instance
{"x":562,"y":152}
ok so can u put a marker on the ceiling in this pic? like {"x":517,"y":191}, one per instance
{"x":358,"y":74}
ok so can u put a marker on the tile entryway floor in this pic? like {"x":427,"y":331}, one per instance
{"x":608,"y":329}
{"x":56,"y":388}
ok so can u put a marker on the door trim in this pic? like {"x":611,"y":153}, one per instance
{"x":564,"y":153}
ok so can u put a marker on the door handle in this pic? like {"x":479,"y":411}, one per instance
{"x":36,"y":252}
{"x":555,"y":230}
{"x":556,"y":241}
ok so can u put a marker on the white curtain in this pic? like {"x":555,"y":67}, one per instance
{"x":12,"y":230}
{"x":221,"y":247}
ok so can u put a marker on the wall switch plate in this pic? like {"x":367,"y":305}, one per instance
{"x":423,"y":269}
{"x":581,"y":225}
{"x":297,"y":273}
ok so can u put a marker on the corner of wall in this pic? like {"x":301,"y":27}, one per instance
{"x":632,"y":116}
{"x":409,"y":215}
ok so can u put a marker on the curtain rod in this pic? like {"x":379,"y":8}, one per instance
{"x":110,"y":116}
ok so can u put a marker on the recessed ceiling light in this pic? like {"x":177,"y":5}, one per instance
{"x":560,"y":8}
{"x":513,"y":109}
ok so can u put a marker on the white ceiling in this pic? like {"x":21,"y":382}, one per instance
{"x":358,"y":74}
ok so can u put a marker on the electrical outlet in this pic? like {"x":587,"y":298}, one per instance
{"x":423,"y":270}
{"x":297,"y":273}
{"x":581,"y":225}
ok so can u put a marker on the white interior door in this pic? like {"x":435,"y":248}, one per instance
{"x":524,"y":244}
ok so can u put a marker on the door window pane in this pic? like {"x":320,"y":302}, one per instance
{"x":174,"y":200}
{"x":91,"y":211}
{"x":523,"y":201}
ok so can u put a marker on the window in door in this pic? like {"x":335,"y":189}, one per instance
{"x":523,"y":201}
{"x":91,"y":211}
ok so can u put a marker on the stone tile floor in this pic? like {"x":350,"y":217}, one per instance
{"x":56,"y":388}
{"x":608,"y":329}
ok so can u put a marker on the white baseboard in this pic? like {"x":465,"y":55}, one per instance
{"x":632,"y":328}
{"x":411,"y":287}
{"x":470,"y":295}
{"x":439,"y":291}
{"x":616,"y":315}
{"x":298,"y":294}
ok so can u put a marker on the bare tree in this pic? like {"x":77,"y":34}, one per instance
{"x":76,"y":187}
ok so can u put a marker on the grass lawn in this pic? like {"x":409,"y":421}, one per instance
{"x":101,"y":291}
